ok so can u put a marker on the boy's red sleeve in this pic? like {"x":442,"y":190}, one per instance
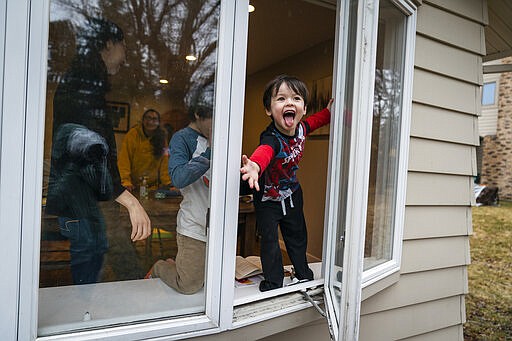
{"x":318,"y":119}
{"x":262,"y":156}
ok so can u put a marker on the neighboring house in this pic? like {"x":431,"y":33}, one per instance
{"x":496,"y":131}
{"x":392,"y":230}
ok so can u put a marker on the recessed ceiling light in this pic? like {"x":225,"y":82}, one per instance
{"x":251,"y":8}
{"x":190,"y":57}
{"x":164,"y":81}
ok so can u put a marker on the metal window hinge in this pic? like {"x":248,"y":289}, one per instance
{"x":307,"y":297}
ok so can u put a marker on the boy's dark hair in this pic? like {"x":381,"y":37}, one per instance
{"x":199,"y":104}
{"x":203,"y":111}
{"x":272,"y":87}
{"x":94,"y":37}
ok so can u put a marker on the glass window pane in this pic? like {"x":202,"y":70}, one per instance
{"x":488,"y":93}
{"x":385,"y":136}
{"x":129,"y":108}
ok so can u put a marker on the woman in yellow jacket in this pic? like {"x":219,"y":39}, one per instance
{"x":144,"y":153}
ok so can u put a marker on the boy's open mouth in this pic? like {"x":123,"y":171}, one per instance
{"x":289,"y":117}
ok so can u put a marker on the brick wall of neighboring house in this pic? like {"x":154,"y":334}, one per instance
{"x":497,"y":150}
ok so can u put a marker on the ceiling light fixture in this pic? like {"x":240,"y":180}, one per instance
{"x":190,"y":58}
{"x":251,"y":8}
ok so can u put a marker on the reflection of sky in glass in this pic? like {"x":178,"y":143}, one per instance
{"x":488,"y":91}
{"x":63,"y":10}
{"x":157,"y":37}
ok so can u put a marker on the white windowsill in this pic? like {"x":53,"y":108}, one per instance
{"x":250,"y":294}
{"x":62,"y":309}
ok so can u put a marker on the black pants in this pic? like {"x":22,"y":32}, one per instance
{"x":270,"y":214}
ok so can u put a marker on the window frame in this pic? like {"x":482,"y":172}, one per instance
{"x":356,"y":283}
{"x":27,"y":148}
{"x":14,"y":49}
{"x":388,"y":268}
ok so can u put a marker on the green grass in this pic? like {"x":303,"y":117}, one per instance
{"x":489,"y":302}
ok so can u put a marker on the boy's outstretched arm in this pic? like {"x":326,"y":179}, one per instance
{"x":250,"y":171}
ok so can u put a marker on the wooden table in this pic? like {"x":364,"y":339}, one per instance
{"x":163,"y":212}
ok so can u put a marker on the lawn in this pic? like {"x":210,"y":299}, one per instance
{"x":489,"y":302}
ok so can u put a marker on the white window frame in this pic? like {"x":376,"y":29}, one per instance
{"x":377,"y":273}
{"x":14,"y":52}
{"x":25,"y":152}
{"x":354,"y":279}
{"x":347,"y":325}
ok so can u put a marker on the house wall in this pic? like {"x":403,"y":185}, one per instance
{"x":497,"y":149}
{"x":427,"y":303}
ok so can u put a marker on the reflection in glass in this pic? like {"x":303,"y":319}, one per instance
{"x":386,"y":126}
{"x":103,"y":75}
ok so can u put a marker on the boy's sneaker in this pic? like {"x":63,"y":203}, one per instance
{"x":266,"y":286}
{"x":295,"y":280}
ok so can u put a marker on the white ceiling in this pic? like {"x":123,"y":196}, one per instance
{"x":281,"y":28}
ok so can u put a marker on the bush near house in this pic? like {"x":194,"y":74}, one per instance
{"x":489,"y":302}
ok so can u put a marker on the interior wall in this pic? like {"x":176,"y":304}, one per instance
{"x":310,"y":65}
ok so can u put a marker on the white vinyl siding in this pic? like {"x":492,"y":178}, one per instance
{"x":428,"y":299}
{"x":412,"y":320}
{"x":439,"y":189}
{"x":443,"y":253}
{"x":433,"y":89}
{"x":445,"y":334}
{"x":443,"y":124}
{"x":437,"y":221}
{"x":418,"y":287}
{"x":465,"y":65}
{"x":471,"y":9}
{"x":451,"y":29}
{"x":441,"y":157}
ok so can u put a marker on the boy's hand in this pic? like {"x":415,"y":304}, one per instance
{"x":329,"y":105}
{"x":250,"y":171}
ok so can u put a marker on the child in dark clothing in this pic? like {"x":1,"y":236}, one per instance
{"x":273,"y":167}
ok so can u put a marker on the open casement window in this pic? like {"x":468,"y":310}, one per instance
{"x":369,"y":155}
